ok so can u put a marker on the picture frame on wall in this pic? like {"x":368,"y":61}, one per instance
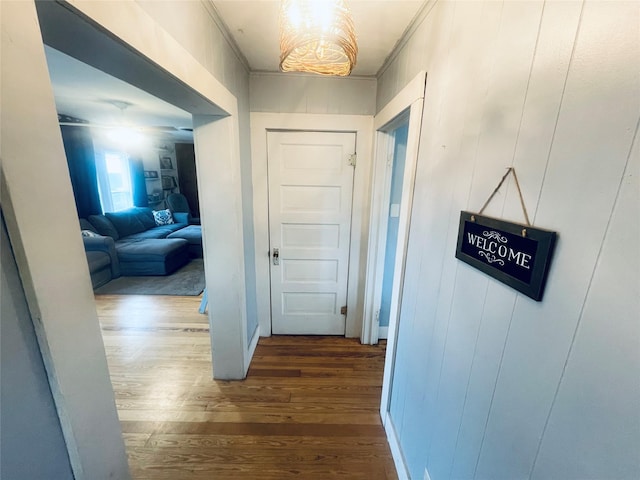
{"x":166,"y":163}
{"x":168,"y":182}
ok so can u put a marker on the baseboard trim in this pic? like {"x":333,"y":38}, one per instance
{"x":251,"y":348}
{"x":383,"y":333}
{"x":396,"y":451}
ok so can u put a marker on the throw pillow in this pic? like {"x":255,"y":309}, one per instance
{"x":163,"y":217}
{"x":89,"y":233}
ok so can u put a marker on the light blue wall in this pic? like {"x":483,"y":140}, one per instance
{"x":32,"y":443}
{"x":399,"y":156}
{"x":489,"y":384}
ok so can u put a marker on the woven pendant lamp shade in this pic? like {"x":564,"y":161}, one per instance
{"x":317,"y":36}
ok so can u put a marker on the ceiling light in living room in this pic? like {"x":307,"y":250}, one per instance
{"x":317,"y":36}
{"x":126,"y":137}
{"x":125,"y":134}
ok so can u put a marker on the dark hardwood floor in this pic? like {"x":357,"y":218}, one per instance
{"x":308,"y":408}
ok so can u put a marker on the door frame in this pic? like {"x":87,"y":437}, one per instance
{"x":85,"y":395}
{"x":405,"y":106}
{"x":362,"y":126}
{"x":164,"y":68}
{"x":381,"y":195}
{"x":411,"y":99}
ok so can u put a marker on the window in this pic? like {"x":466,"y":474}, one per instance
{"x":114,"y":181}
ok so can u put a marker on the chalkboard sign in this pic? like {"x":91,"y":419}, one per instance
{"x":514,"y":254}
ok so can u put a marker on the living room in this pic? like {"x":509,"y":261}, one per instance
{"x":129,"y":152}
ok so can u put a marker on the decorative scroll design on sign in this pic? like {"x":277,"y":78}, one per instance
{"x":491,"y":258}
{"x":495,"y":235}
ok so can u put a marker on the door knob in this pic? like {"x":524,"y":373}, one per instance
{"x":276,"y":256}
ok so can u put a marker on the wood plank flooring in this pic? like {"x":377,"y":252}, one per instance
{"x":308,"y":408}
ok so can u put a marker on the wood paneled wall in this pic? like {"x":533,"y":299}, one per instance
{"x":489,"y":384}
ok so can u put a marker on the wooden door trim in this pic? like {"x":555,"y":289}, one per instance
{"x":410,"y":98}
{"x":362,"y":125}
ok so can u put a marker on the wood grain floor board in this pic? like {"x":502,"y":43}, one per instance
{"x":307,"y":410}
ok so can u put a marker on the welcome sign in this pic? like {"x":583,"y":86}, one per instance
{"x":514,"y":254}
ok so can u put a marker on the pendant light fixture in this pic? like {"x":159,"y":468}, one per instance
{"x":317,"y":36}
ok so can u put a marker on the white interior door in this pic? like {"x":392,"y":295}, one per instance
{"x":310,"y":194}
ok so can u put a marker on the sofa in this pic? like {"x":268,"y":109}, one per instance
{"x":101,"y":256}
{"x":144,"y":247}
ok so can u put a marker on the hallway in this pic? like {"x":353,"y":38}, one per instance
{"x":308,"y":408}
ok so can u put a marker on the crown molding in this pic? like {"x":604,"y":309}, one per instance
{"x":423,"y":13}
{"x":224,"y":29}
{"x":268,"y":73}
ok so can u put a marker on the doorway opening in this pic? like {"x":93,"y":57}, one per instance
{"x":39,"y":206}
{"x":398,"y":127}
{"x":131,"y":161}
{"x":214,"y":113}
{"x":396,"y":163}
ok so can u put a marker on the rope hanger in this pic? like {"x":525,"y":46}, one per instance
{"x":515,"y":177}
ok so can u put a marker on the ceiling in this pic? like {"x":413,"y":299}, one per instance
{"x":378,"y":24}
{"x":87,"y":93}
